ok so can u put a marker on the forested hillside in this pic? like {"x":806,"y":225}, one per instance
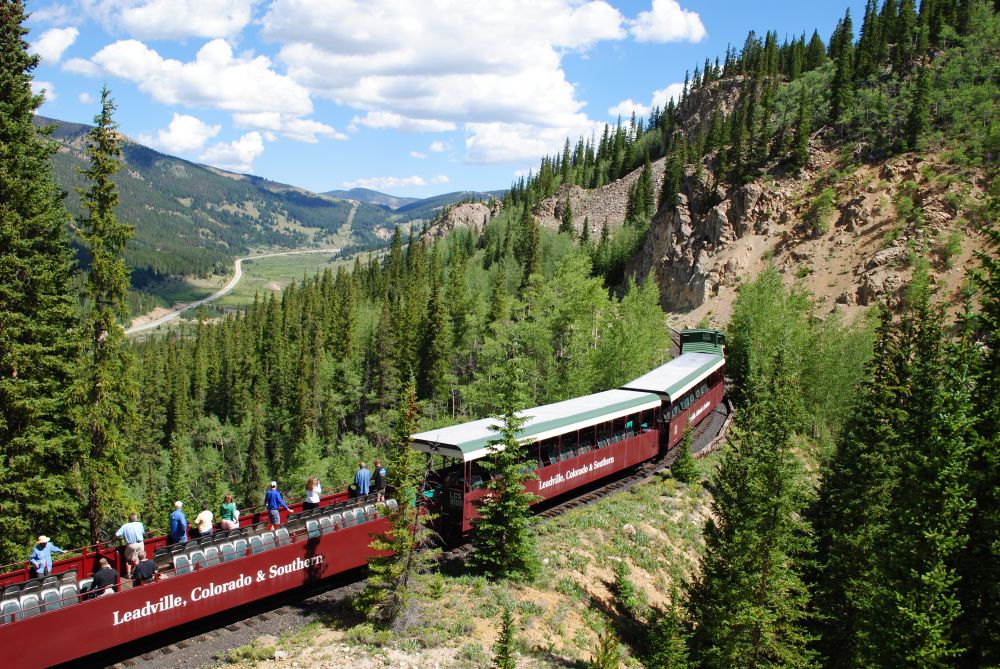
{"x":191,"y":220}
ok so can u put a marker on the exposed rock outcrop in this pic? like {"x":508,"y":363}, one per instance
{"x":472,"y":215}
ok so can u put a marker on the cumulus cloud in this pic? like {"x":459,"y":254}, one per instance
{"x":382,"y":183}
{"x":54,"y":14}
{"x":236,"y":156}
{"x":85,"y":98}
{"x":520,"y":142}
{"x":288,"y":126}
{"x":439,"y":147}
{"x":667,"y":21}
{"x":626,"y":107}
{"x":82,"y":67}
{"x":52,"y":43}
{"x":658,"y":98}
{"x":215,"y":79}
{"x":172,"y":19}
{"x":184,"y":134}
{"x":46,"y":88}
{"x":417,"y":154}
{"x":410,"y":69}
{"x":381,"y":119}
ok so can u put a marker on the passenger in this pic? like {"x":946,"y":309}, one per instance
{"x":378,"y":481}
{"x":178,"y":525}
{"x":132,"y":532}
{"x":41,"y":556}
{"x":203,"y":522}
{"x":229,"y":514}
{"x":362,"y":480}
{"x":274,"y":503}
{"x":313,"y":491}
{"x":104,"y":580}
{"x":143,"y":570}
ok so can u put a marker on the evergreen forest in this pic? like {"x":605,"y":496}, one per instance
{"x":855,"y":510}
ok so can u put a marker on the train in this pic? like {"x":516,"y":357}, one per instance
{"x":49,"y":621}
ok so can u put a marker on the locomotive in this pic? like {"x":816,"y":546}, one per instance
{"x":48,"y":621}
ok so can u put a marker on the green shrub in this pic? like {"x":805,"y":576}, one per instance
{"x":820,"y":211}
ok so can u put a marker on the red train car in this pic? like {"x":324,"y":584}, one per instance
{"x":581,"y":440}
{"x":47,"y":622}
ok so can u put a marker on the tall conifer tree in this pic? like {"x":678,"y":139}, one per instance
{"x":39,"y":337}
{"x":108,"y":380}
{"x":749,"y":604}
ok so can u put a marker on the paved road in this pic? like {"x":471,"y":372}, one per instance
{"x":237,"y":274}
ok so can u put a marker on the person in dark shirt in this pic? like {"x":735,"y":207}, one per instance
{"x":104,"y":580}
{"x":143,"y":570}
{"x":378,"y":481}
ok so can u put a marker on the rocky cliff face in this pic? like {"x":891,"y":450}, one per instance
{"x":472,"y":215}
{"x":883,"y":218}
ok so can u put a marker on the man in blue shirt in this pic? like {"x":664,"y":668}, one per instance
{"x":178,"y":533}
{"x":133,"y":533}
{"x":41,"y":556}
{"x":362,"y":480}
{"x":274,"y":503}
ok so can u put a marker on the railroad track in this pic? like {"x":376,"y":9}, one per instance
{"x":194,"y":646}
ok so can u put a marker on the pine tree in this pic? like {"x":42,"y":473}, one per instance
{"x":107,"y":382}
{"x":39,"y":336}
{"x":749,"y":604}
{"x":608,"y":654}
{"x":918,"y":119}
{"x":435,"y":350}
{"x":684,"y":468}
{"x":841,"y":88}
{"x":850,"y":515}
{"x":566,"y":222}
{"x":979,"y":591}
{"x":505,"y":540}
{"x":667,"y":647}
{"x":800,"y":152}
{"x":528,"y":251}
{"x":585,"y":233}
{"x":505,"y":648}
{"x":404,"y":550}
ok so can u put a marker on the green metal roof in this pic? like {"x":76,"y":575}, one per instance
{"x":470,"y":441}
{"x":676,"y":377}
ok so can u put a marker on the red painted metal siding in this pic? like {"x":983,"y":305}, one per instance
{"x":561,"y":477}
{"x":95,"y":625}
{"x":695,"y":413}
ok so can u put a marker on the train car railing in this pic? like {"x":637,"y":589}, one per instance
{"x":40,"y":596}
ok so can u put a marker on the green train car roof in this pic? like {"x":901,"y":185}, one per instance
{"x":678,"y":376}
{"x":470,"y":441}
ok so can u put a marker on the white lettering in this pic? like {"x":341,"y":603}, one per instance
{"x":700,"y":411}
{"x":298,"y":564}
{"x":212,"y":589}
{"x":573,"y":473}
{"x":165,"y":603}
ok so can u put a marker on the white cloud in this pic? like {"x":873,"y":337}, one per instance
{"x":288,"y":126}
{"x":82,"y":67}
{"x":184,"y":134}
{"x":667,"y":22}
{"x":214,"y":79}
{"x":51,"y":45}
{"x":626,"y":107}
{"x":47,"y":88}
{"x":85,"y":98}
{"x":417,"y":154}
{"x":382,"y":183}
{"x":658,"y":98}
{"x":520,"y":142}
{"x":172,"y":19}
{"x":408,"y":68}
{"x":439,"y":147}
{"x":55,"y":14}
{"x":236,"y":156}
{"x":381,"y":119}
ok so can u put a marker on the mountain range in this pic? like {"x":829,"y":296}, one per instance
{"x":193,"y":219}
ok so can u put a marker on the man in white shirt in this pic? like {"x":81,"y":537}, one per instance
{"x":203,"y":521}
{"x":132,"y":532}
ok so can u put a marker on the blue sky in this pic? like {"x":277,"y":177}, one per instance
{"x":410,"y":97}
